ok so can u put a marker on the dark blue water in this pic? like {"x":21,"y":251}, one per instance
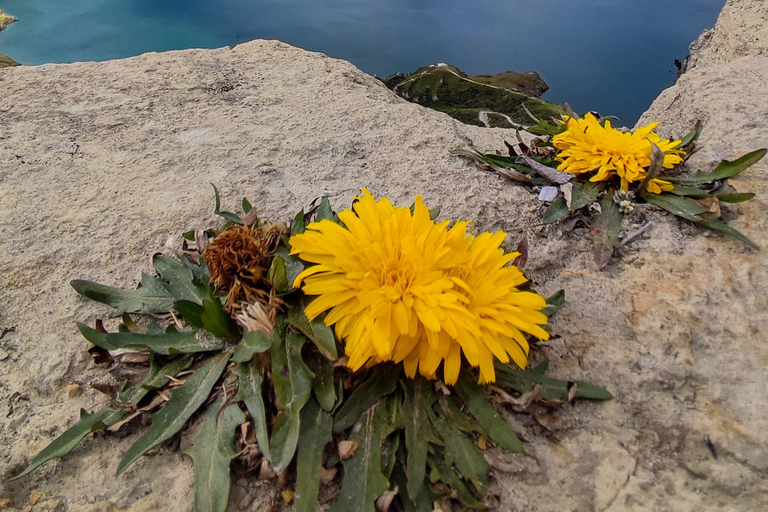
{"x":613,"y":56}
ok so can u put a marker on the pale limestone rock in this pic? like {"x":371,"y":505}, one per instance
{"x":101,"y":163}
{"x":741,"y":31}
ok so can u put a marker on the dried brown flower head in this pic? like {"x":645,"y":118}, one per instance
{"x":238,"y":259}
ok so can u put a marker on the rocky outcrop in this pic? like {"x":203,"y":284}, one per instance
{"x":6,"y":19}
{"x":103,"y":164}
{"x":741,"y":31}
{"x":7,"y":62}
{"x":483,"y":100}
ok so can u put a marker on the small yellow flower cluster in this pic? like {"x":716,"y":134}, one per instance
{"x":399,"y":287}
{"x":588,"y":146}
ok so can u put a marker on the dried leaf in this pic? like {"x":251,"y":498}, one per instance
{"x":711,"y":206}
{"x":347,"y":449}
{"x":549,"y":173}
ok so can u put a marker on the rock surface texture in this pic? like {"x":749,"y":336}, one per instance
{"x":101,"y":165}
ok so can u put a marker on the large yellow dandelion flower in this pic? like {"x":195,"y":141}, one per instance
{"x":399,"y":287}
{"x":587,"y":146}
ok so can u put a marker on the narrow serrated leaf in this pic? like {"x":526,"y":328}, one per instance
{"x":217,"y":321}
{"x":253,"y":342}
{"x":181,"y":282}
{"x":249,"y":382}
{"x":382,"y":382}
{"x":319,"y":333}
{"x":496,"y":427}
{"x":150,"y":298}
{"x":315,"y":433}
{"x":322,"y":385}
{"x":298,"y":226}
{"x":724,"y":170}
{"x":63,"y":444}
{"x":585,"y":193}
{"x":276,"y":275}
{"x":419,"y":397}
{"x":324,"y":211}
{"x":363,"y":480}
{"x":524,"y":381}
{"x":461,"y":452}
{"x":212,"y":452}
{"x":293,"y":383}
{"x":554,"y":303}
{"x":185,"y":400}
{"x":171,"y":341}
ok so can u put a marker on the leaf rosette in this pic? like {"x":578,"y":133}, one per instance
{"x":225,"y":336}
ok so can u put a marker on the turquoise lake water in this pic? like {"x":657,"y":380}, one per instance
{"x":613,"y":56}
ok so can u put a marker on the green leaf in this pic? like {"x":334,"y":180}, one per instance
{"x":363,"y":480}
{"x":189,"y":235}
{"x":585,"y":193}
{"x":523,"y":381}
{"x":277,"y":276}
{"x":441,"y":471}
{"x":212,"y":452}
{"x":246,"y":204}
{"x":293,"y":265}
{"x":419,"y":397}
{"x":461,"y":451}
{"x":285,"y":438}
{"x":190,"y":311}
{"x":231,"y":217}
{"x":696,"y":192}
{"x":314,"y":434}
{"x":476,"y":400}
{"x":151,"y":298}
{"x":726,"y":169}
{"x":254,"y":342}
{"x":382,"y":382}
{"x":185,"y":400}
{"x":554,"y":303}
{"x":324,"y":211}
{"x":216,"y":321}
{"x":170,"y":342}
{"x":157,"y":378}
{"x":249,"y":382}
{"x":292,"y":380}
{"x":719,"y":225}
{"x":181,"y":282}
{"x":322,"y":385}
{"x":605,"y":230}
{"x":320,"y":334}
{"x":735,"y":198}
{"x":298,"y":225}
{"x":63,"y":444}
{"x":691,"y":211}
{"x":556,"y":211}
{"x":692,"y":137}
{"x":95,"y":337}
{"x":424,"y":499}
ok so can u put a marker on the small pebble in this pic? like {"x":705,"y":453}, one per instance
{"x":548,"y":194}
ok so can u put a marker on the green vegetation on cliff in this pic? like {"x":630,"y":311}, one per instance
{"x":482,"y":100}
{"x":7,"y":62}
{"x":5,"y":19}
